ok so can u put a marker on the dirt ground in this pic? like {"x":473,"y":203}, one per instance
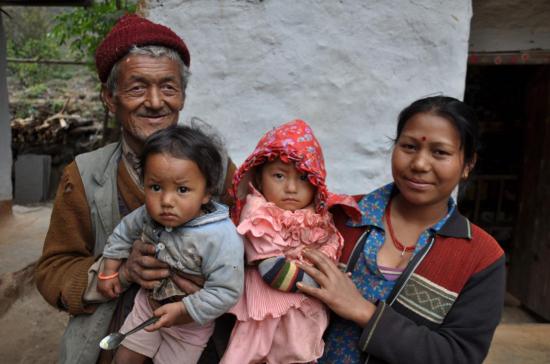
{"x":31,"y":329}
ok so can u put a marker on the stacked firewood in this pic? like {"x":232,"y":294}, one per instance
{"x":62,"y":134}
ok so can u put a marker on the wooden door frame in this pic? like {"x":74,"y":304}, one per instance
{"x":509,"y":58}
{"x":529,"y":273}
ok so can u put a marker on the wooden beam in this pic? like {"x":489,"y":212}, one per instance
{"x":509,"y":58}
{"x":46,"y":2}
{"x":47,"y":61}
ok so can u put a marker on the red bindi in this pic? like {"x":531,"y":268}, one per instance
{"x":423,"y":138}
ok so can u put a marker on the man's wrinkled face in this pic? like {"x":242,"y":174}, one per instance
{"x":147,"y":98}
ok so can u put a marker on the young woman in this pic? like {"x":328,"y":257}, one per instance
{"x":424,"y":284}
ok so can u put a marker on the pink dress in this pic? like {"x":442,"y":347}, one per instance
{"x":274,"y":326}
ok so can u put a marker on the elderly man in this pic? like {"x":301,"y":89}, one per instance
{"x":143,"y":68}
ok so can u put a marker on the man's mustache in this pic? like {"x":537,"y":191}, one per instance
{"x":154,"y":114}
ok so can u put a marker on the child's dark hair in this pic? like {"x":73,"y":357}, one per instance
{"x":461,"y":115}
{"x":188,"y":143}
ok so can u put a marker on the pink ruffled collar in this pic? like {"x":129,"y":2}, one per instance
{"x":294,"y":228}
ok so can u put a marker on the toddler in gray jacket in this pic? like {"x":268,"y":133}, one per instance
{"x":192,"y":234}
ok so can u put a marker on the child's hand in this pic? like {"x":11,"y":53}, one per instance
{"x":110,"y":288}
{"x":170,"y":314}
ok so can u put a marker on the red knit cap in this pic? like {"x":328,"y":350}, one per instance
{"x":133,"y":30}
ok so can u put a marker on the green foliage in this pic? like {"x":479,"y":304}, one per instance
{"x":57,"y":105}
{"x":38,"y":33}
{"x":27,"y":22}
{"x":83,"y":28}
{"x":26,"y":30}
{"x":37,"y":90}
{"x":32,"y":73}
{"x":23,"y":109}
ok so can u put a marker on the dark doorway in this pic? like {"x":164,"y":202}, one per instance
{"x":502,"y":197}
{"x":490,"y":198}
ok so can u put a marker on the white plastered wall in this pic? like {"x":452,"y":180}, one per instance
{"x":346,"y":67}
{"x":510,"y":25}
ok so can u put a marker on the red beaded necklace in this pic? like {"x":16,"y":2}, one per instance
{"x":396,"y":242}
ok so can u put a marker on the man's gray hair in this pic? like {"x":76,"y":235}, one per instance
{"x":151,"y":51}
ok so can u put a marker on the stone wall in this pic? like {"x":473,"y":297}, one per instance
{"x":347,"y":67}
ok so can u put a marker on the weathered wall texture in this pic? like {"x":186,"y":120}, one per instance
{"x":347,"y":67}
{"x":510,"y":25}
{"x":5,"y":129}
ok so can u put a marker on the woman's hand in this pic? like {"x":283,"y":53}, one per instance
{"x":170,"y":314}
{"x":336,"y":289}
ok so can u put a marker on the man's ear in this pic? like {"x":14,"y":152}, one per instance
{"x":182,"y":102}
{"x":108,"y":98}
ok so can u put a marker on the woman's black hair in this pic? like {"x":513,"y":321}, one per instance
{"x":461,"y":115}
{"x":190,"y":143}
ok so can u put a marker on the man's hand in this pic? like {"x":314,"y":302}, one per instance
{"x":143,"y":268}
{"x":187,"y":282}
{"x":170,"y":314}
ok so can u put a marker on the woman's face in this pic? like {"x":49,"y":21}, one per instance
{"x":427,"y":160}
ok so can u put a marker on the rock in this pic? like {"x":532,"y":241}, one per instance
{"x":14,"y":285}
